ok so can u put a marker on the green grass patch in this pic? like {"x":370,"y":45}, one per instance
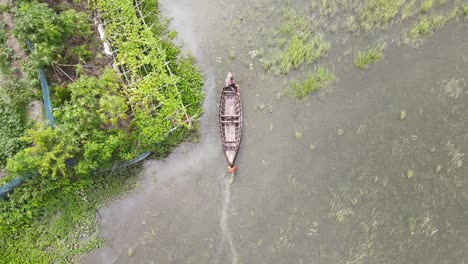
{"x":425,"y":27}
{"x":376,"y":14}
{"x":428,"y":24}
{"x":318,"y":79}
{"x":409,"y":10}
{"x":298,"y":52}
{"x":373,"y":55}
{"x":426,"y":5}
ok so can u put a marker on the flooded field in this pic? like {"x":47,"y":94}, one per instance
{"x":370,"y":168}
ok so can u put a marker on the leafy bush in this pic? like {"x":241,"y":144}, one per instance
{"x":12,"y":128}
{"x":163,"y":90}
{"x":47,"y":30}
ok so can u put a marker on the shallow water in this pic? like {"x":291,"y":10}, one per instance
{"x":372,"y":170}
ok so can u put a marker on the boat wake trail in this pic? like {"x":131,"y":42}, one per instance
{"x":224,"y":223}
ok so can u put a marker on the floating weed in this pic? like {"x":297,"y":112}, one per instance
{"x":298,"y":135}
{"x":232,"y":54}
{"x":372,"y":55}
{"x":441,"y":2}
{"x":278,"y":95}
{"x":350,"y":24}
{"x":409,"y":10}
{"x":318,"y":79}
{"x":262,"y":107}
{"x":130,"y":251}
{"x":452,"y":88}
{"x":271,"y":127}
{"x":313,"y":146}
{"x":457,"y":157}
{"x":438,"y":168}
{"x":259,"y":243}
{"x":409,"y":174}
{"x":340,"y":132}
{"x":342,"y":213}
{"x":426,"y":5}
{"x":465,"y":10}
{"x":423,"y":226}
{"x":402,"y":114}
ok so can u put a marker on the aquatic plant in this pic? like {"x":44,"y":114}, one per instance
{"x":372,"y":55}
{"x":319,"y":78}
{"x":298,"y":134}
{"x":409,"y":10}
{"x":378,"y":13}
{"x":300,"y":51}
{"x":426,"y":5}
{"x":425,"y":26}
{"x":465,"y":10}
{"x":402,"y":114}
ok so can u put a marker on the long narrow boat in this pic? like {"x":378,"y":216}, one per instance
{"x":230,"y":119}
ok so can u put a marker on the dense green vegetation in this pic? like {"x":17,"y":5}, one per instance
{"x":101,"y":118}
{"x":13,"y":98}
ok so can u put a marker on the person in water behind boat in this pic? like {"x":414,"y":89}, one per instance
{"x":232,"y":169}
{"x":230,"y":83}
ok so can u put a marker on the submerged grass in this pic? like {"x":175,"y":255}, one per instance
{"x":409,"y":10}
{"x":426,"y":5}
{"x":363,"y":59}
{"x":428,"y":24}
{"x":299,"y":52}
{"x":376,"y":14}
{"x":425,"y":27}
{"x":318,"y":79}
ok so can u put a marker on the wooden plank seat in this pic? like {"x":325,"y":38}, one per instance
{"x":229,"y":121}
{"x":230,"y":115}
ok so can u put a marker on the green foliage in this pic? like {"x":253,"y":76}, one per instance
{"x":48,"y":154}
{"x":47,"y":30}
{"x":372,"y":55}
{"x":4,"y":7}
{"x":82,"y":53}
{"x":12,"y":128}
{"x":13,"y":97}
{"x":318,"y":79}
{"x":465,"y":10}
{"x":163,"y":89}
{"x":53,"y":221}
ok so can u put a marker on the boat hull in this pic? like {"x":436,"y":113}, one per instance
{"x":230,"y":122}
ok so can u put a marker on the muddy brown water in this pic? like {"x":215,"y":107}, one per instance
{"x":372,"y":171}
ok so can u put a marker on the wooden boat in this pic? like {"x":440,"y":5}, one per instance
{"x":230,"y":119}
